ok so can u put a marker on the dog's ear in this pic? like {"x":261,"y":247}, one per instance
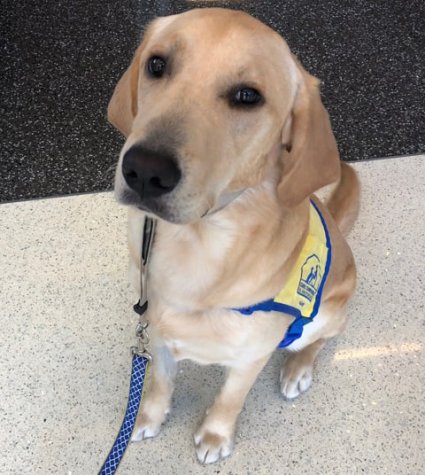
{"x":122,"y":108}
{"x":311,"y":158}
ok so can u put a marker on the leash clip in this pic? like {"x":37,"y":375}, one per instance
{"x":143,"y":339}
{"x":141,"y":306}
{"x":142,"y":334}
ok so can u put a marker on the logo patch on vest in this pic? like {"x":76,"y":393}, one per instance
{"x":311,"y":276}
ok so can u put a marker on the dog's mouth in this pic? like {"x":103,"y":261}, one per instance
{"x":129,"y":198}
{"x":163,"y":208}
{"x":223,"y":201}
{"x":158,"y":207}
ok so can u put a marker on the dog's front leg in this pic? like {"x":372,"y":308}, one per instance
{"x":214,"y":439}
{"x":156,"y":401}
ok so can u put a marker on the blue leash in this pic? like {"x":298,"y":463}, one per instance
{"x":139,"y":367}
{"x":141,"y":359}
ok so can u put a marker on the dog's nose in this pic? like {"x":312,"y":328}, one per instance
{"x":150,"y":173}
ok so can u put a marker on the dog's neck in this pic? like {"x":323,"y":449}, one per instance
{"x":211,"y":262}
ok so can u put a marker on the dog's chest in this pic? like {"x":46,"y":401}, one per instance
{"x":221,"y":337}
{"x":203,"y":341}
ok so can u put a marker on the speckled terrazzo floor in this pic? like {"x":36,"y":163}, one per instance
{"x":60,"y":61}
{"x":67,"y":325}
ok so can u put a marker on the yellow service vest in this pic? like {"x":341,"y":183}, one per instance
{"x":302,"y":293}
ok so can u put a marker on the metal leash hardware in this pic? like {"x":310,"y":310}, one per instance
{"x":142,"y":335}
{"x":141,"y":306}
{"x":141,"y":359}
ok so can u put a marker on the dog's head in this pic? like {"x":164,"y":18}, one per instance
{"x":214,"y":103}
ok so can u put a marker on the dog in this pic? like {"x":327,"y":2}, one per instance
{"x":226,"y":142}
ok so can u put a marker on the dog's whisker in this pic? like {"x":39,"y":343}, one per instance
{"x":109,"y":173}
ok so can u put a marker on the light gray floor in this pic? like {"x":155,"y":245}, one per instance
{"x":67,"y":325}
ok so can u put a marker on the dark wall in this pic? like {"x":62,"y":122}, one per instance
{"x":60,"y":60}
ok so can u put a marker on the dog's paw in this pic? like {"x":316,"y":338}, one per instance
{"x":295,"y":379}
{"x":212,"y":447}
{"x":145,"y":428}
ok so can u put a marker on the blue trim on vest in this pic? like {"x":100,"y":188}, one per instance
{"x":295,"y":330}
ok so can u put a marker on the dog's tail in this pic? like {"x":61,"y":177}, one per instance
{"x":344,"y":203}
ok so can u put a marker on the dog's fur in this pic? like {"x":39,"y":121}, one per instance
{"x":212,"y":251}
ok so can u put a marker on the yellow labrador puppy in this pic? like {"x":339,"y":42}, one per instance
{"x":227,"y":139}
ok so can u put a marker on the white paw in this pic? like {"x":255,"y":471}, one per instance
{"x":294,"y":381}
{"x":145,"y":429}
{"x":212,"y":447}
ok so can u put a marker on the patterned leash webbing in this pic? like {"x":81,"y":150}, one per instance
{"x":139,"y":368}
{"x":141,"y":358}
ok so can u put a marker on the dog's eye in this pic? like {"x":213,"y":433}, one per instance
{"x":247,"y":97}
{"x":156,"y":66}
